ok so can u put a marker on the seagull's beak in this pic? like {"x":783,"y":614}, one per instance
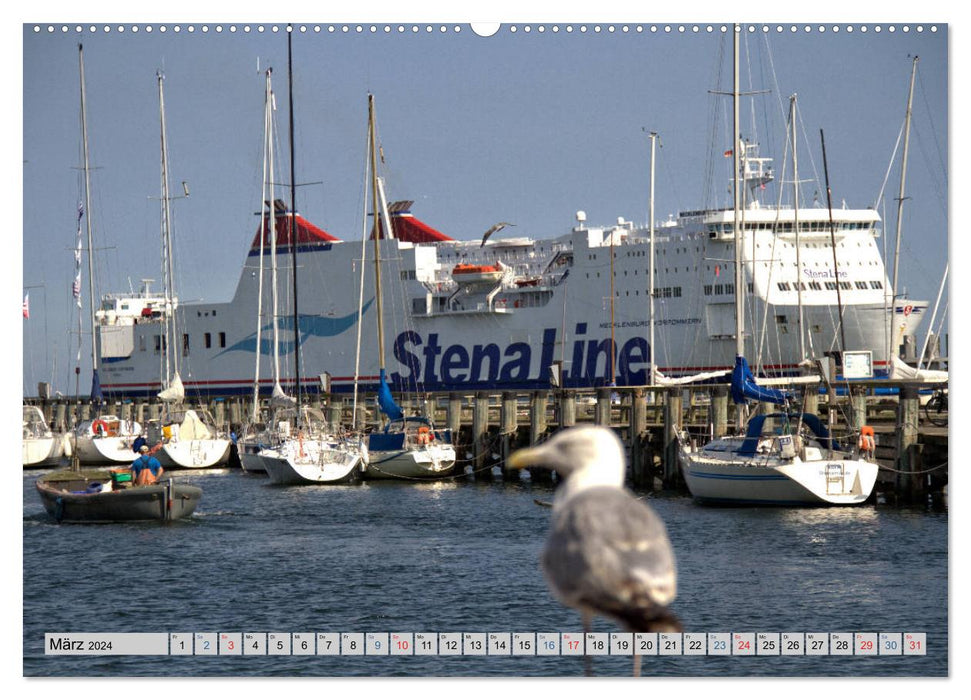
{"x":528,"y":457}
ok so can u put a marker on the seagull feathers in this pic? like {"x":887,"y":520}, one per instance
{"x":498,"y":227}
{"x":607,"y":553}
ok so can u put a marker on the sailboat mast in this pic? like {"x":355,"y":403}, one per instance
{"x":169,"y":273}
{"x":653,"y":137}
{"x":377,"y":247}
{"x":900,"y":206}
{"x":274,"y":269}
{"x":795,"y":225}
{"x":87,"y":209}
{"x":293,"y":225}
{"x":832,"y":238}
{"x":267,"y":135}
{"x":736,"y":191}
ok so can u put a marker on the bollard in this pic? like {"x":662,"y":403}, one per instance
{"x":480,"y":431}
{"x":510,"y":426}
{"x":454,"y":416}
{"x":719,"y":411}
{"x":672,"y":425}
{"x":61,"y":417}
{"x":640,"y":452}
{"x":537,"y":416}
{"x":810,"y":399}
{"x":602,"y":416}
{"x":857,"y":408}
{"x":908,"y":415}
{"x":568,"y":409}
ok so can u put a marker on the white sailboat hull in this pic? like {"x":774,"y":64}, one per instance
{"x":105,"y":450}
{"x":194,"y":454}
{"x":250,"y":457}
{"x":42,"y":451}
{"x":774,"y":481}
{"x":311,"y":461}
{"x":431,"y":461}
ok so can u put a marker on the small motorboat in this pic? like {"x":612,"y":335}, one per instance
{"x":108,"y":496}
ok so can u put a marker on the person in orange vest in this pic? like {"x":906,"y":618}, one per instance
{"x":146,"y":469}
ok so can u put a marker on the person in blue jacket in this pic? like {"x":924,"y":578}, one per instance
{"x":146,"y":469}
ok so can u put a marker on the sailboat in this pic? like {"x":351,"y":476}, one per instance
{"x":408,"y":447}
{"x":41,"y":446}
{"x":105,"y":438}
{"x":299,"y":447}
{"x":783,"y":458}
{"x":183,"y":437}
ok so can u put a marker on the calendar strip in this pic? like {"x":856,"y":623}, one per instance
{"x":756,"y":644}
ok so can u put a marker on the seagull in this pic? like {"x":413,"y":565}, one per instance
{"x":607,"y":553}
{"x":498,"y":227}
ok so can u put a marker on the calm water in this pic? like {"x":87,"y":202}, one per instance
{"x":462,"y":556}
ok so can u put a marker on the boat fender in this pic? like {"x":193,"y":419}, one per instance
{"x":867,"y":441}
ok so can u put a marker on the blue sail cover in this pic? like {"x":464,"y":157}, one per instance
{"x":744,"y":387}
{"x":386,"y":401}
{"x":96,"y":395}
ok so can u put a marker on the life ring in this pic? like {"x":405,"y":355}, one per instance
{"x":867,"y":442}
{"x":100,"y":427}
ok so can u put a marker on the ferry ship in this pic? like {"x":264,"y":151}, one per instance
{"x":522,"y":313}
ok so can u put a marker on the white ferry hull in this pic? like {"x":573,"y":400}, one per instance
{"x":442,"y":337}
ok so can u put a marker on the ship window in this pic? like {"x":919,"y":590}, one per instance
{"x":846,"y":285}
{"x":708,"y":290}
{"x":208,"y":339}
{"x":815,"y":285}
{"x":781,"y":319}
{"x":185,"y":343}
{"x":141,"y":343}
{"x":876,"y":284}
{"x":830,"y":285}
{"x":861,"y":285}
{"x":719,"y":289}
{"x":222,"y":339}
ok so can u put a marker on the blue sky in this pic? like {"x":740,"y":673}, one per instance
{"x":522,"y":126}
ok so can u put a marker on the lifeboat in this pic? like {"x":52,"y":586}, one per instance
{"x":476,"y":274}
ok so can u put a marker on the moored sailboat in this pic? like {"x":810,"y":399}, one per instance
{"x":781,"y":459}
{"x":103,"y":438}
{"x":298,"y":446}
{"x":188,"y":438}
{"x":407,"y":447}
{"x":41,"y":446}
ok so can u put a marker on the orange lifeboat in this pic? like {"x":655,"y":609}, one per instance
{"x":464,"y":273}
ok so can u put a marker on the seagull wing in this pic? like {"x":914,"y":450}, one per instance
{"x":609,"y":553}
{"x":498,"y":227}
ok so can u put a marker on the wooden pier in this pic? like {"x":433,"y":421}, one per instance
{"x":488,"y":426}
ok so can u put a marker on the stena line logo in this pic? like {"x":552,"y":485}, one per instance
{"x":432,"y":362}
